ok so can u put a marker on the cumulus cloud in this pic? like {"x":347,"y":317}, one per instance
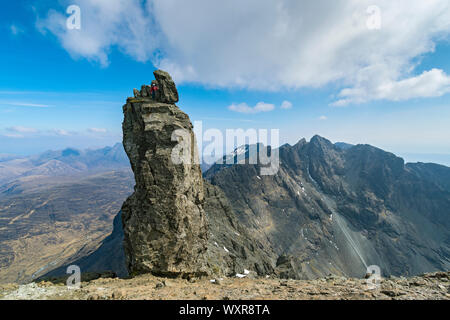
{"x":433,"y":83}
{"x":15,"y":30}
{"x":97,"y":130}
{"x":245,"y":108}
{"x":286,"y":105}
{"x":268,"y":44}
{"x":14,"y":135}
{"x":124,"y":24}
{"x":24,"y":104}
{"x":61,"y":132}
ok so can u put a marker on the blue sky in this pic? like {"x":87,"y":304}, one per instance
{"x":387,"y":87}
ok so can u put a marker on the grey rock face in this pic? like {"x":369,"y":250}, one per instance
{"x":144,"y":92}
{"x":167,"y":92}
{"x":165,"y":231}
{"x":287,"y":267}
{"x":231,"y":249}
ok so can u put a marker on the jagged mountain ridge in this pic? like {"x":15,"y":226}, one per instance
{"x":90,"y":159}
{"x":67,"y":162}
{"x":338,"y":210}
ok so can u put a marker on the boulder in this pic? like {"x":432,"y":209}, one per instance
{"x":144,"y":91}
{"x":167,"y":92}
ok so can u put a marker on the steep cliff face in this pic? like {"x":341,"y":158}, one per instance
{"x":231,"y":248}
{"x":164,"y":220}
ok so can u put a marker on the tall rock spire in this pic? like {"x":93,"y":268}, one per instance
{"x":165,"y":229}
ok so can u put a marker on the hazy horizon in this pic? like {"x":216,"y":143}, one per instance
{"x":442,"y":159}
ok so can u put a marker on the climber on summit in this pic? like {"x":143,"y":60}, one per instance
{"x":153,"y":90}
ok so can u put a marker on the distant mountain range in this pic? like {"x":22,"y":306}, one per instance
{"x":64,"y":162}
{"x":57,"y":204}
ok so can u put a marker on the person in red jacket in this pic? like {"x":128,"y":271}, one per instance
{"x":153,"y":90}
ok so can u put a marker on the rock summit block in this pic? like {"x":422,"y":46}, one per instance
{"x":166,"y":93}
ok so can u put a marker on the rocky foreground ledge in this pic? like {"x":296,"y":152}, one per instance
{"x":432,"y":286}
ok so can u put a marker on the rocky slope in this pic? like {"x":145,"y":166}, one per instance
{"x":339,"y":210}
{"x":45,"y":221}
{"x":108,"y":258}
{"x":434,"y":286}
{"x":58,"y":204}
{"x":434,"y":173}
{"x":231,"y":248}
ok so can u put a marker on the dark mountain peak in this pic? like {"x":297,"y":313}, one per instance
{"x":285,"y":146}
{"x":320,"y":142}
{"x":323,"y":151}
{"x":300,"y":143}
{"x":70,"y":152}
{"x":316,"y":138}
{"x":374,"y":154}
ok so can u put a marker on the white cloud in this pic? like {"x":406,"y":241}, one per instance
{"x":266,"y":44}
{"x":245,"y":108}
{"x":15,"y":30}
{"x":23,"y":104}
{"x":61,"y":132}
{"x":259,"y":107}
{"x":14,"y":135}
{"x":433,"y":83}
{"x":323,"y":118}
{"x":286,"y":105}
{"x":20,"y":129}
{"x":97,"y":130}
{"x":104,"y":24}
